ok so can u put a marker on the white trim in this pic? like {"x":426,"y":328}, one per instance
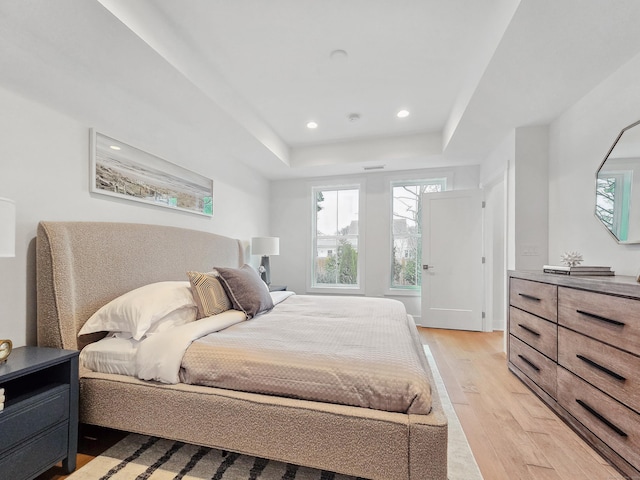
{"x":360,"y":184}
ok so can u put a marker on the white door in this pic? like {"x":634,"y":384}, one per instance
{"x":452,"y":274}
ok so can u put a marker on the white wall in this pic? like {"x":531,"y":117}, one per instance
{"x":531,"y":184}
{"x":579,"y":141}
{"x":291,"y":221}
{"x":44,"y":167}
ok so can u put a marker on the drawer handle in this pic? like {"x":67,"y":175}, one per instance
{"x":529,"y":362}
{"x":530,"y":297}
{"x":602,"y":319}
{"x":600,"y":417}
{"x":601,"y":368}
{"x":524,"y":327}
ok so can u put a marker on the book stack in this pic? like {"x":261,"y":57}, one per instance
{"x":585,"y":270}
{"x":1,"y":399}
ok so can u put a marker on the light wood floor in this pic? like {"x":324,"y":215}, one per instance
{"x":512,"y":434}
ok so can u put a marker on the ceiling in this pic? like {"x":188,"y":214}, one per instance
{"x":252,"y":73}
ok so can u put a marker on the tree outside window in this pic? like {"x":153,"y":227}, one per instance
{"x":335,"y":241}
{"x":406,"y":230}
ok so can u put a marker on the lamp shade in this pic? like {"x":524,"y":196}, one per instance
{"x":265,"y":246}
{"x":7,"y":228}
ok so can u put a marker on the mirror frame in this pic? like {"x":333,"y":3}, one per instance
{"x":595,"y":209}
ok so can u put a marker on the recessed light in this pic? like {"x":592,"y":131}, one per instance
{"x":338,"y":55}
{"x":114,"y":147}
{"x":312,"y":125}
{"x":402,"y":113}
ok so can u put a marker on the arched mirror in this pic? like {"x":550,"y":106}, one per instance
{"x":618,"y":187}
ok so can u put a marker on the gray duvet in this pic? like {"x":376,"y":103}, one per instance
{"x":364,"y":352}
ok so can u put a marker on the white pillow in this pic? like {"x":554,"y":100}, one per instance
{"x":136,"y":311}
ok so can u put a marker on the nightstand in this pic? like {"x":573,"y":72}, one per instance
{"x":39,"y":422}
{"x":277,"y":288}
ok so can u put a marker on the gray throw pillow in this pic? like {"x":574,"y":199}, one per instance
{"x":245,"y":289}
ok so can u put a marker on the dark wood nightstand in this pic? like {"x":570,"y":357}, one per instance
{"x":39,"y":422}
{"x":277,"y":288}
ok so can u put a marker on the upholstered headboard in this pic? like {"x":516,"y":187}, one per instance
{"x":83,"y":265}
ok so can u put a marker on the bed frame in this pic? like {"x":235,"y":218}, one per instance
{"x":83,"y":265}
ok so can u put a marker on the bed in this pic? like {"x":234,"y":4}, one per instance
{"x":82,"y":266}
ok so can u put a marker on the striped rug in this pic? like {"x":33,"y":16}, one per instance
{"x":140,"y":457}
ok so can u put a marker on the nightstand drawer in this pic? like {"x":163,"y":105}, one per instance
{"x":24,"y":418}
{"x":534,"y":364}
{"x":37,"y":455}
{"x":540,"y":334}
{"x":609,"y":369}
{"x":614,"y":320}
{"x":541,"y":299}
{"x":612,"y":422}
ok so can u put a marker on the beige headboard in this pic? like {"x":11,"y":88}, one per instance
{"x":83,"y":265}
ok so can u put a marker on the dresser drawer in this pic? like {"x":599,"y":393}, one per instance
{"x":535,"y":365}
{"x":35,"y":456}
{"x":614,"y":320}
{"x":36,"y":413}
{"x":540,"y":334}
{"x":609,"y":420}
{"x":541,"y":299}
{"x":611,"y":370}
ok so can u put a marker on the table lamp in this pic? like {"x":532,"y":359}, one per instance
{"x":265,"y":246}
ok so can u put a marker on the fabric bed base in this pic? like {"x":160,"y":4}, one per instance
{"x":350,"y":440}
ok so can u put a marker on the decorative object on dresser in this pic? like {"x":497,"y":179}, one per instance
{"x":5,"y":350}
{"x":593,"y":270}
{"x":575,"y":341}
{"x":571,"y":259}
{"x":39,"y":422}
{"x":265,"y":246}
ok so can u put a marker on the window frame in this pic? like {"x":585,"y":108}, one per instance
{"x":408,"y":290}
{"x":358,"y":288}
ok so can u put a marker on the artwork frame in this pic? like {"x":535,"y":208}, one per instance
{"x":120,"y":170}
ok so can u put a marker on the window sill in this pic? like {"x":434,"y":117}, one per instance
{"x":336,"y":290}
{"x":402,"y":292}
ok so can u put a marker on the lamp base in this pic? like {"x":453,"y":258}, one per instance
{"x":265,"y":270}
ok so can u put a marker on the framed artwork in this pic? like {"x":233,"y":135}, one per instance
{"x":120,"y":170}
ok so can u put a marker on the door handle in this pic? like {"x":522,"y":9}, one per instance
{"x":427,"y":267}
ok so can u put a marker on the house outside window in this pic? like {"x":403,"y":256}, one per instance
{"x":406,"y":230}
{"x":336,"y":241}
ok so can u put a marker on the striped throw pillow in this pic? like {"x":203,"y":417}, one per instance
{"x":208,"y":294}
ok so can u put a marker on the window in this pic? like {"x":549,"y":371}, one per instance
{"x":406,"y":231}
{"x":335,"y":237}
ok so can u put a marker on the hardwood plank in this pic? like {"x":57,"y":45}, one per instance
{"x":512,"y":433}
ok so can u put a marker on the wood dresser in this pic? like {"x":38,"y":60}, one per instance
{"x":575,"y":341}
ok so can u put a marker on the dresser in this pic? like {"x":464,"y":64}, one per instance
{"x":39,"y":421}
{"x":575,"y":341}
